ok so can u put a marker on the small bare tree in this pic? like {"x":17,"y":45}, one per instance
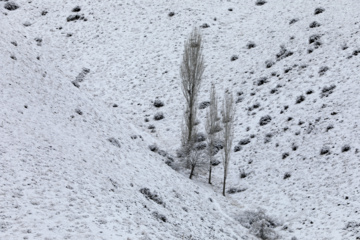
{"x":191,"y":71}
{"x":212,"y":126}
{"x":195,"y":158}
{"x":228,"y":113}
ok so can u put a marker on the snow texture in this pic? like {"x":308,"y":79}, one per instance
{"x":74,"y":166}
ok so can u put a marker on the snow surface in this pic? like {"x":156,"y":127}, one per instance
{"x":61,"y":177}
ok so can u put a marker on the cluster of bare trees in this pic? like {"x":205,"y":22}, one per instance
{"x":191,"y":72}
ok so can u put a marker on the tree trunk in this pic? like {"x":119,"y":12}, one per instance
{"x":224,"y":185}
{"x":210,"y":174}
{"x":192,"y":171}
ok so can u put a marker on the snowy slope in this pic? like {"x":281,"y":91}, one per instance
{"x":61,"y":177}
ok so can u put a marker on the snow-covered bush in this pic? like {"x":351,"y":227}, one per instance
{"x":158,"y":103}
{"x":11,"y":6}
{"x":158,"y":116}
{"x":260,"y":2}
{"x":152,"y":196}
{"x":262,"y":230}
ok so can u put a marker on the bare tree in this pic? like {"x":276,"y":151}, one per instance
{"x":228,"y":113}
{"x":212,"y":126}
{"x":191,"y":71}
{"x":195,"y":159}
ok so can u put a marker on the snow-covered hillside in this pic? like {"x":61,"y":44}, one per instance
{"x":77,"y":118}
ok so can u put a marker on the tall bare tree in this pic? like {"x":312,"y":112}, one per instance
{"x":212,"y":126}
{"x":191,"y":71}
{"x":228,"y":113}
